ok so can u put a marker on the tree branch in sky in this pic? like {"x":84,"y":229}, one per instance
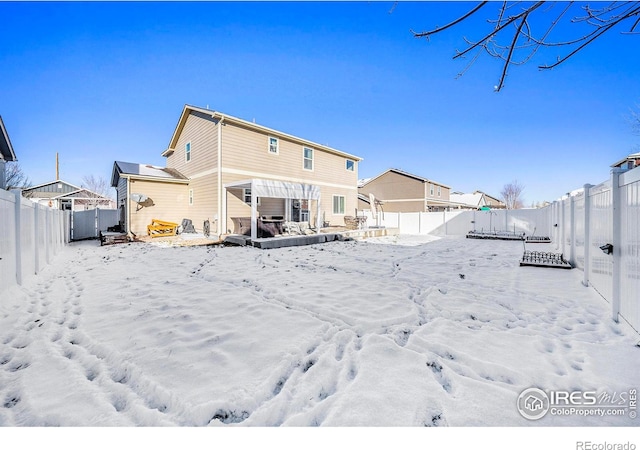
{"x":520,"y":22}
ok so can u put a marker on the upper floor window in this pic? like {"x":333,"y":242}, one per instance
{"x":187,"y":151}
{"x":431,"y":190}
{"x":351,"y":165}
{"x":439,"y":191}
{"x":308,"y":158}
{"x":273,"y":145}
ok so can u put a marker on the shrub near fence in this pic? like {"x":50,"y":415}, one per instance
{"x":30,"y":235}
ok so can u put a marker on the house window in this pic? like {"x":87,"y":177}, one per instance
{"x":308,"y":158}
{"x":431,"y":190}
{"x":338,"y":205}
{"x":273,"y":145}
{"x":247,"y":196}
{"x":439,"y":191}
{"x":351,"y":165}
{"x":187,"y":151}
{"x":190,"y":197}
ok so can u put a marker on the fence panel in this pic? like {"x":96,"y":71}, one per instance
{"x":25,"y":249}
{"x":578,"y":241}
{"x":630,"y":249}
{"x":601,"y":233}
{"x":7,"y":239}
{"x":27,"y":236}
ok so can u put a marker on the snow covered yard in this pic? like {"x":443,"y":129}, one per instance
{"x":404,"y":331}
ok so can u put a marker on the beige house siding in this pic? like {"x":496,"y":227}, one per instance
{"x":205,"y":201}
{"x":202,"y":132}
{"x":170,"y":204}
{"x":403,"y":193}
{"x":246,"y":151}
{"x":393,"y":186}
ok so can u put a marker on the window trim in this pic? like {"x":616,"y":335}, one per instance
{"x":277,"y":152}
{"x":353,"y":165}
{"x":431,"y":189}
{"x":245,"y":195}
{"x":333,"y":204}
{"x":304,"y":158}
{"x":187,"y":153}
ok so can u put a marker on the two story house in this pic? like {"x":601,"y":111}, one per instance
{"x":220,"y":167}
{"x":400,"y":191}
{"x":6,"y":153}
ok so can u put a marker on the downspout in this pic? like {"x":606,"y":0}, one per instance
{"x":127,"y":209}
{"x":220,"y":223}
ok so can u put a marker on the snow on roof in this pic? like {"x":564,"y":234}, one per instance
{"x":144,"y":170}
{"x":467,"y":199}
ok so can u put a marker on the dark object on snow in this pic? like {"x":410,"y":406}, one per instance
{"x":187,"y":226}
{"x":111,"y":237}
{"x":206,"y":228}
{"x":501,"y":235}
{"x":544,"y":259}
{"x":537,"y":239}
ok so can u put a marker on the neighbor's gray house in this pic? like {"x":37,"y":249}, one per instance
{"x":6,"y":154}
{"x":220,"y":168}
{"x":59,"y":194}
{"x":401,"y":191}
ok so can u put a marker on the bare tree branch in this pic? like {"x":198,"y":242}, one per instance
{"x":511,"y":195}
{"x":525,"y":42}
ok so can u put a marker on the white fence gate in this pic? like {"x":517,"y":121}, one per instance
{"x":88,"y":224}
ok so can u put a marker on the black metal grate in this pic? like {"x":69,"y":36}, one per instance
{"x":544,"y":259}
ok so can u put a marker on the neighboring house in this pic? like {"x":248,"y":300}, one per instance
{"x":65,"y":196}
{"x":220,"y":168}
{"x":400,"y":191}
{"x":630,"y":162}
{"x":6,"y":154}
{"x":476,"y":200}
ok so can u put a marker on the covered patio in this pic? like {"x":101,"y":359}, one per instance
{"x":288,"y":191}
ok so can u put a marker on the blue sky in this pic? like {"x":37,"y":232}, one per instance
{"x":98,"y":82}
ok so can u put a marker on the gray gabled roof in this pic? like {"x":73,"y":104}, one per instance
{"x":6,"y":149}
{"x":245,"y":123}
{"x":144,"y":171}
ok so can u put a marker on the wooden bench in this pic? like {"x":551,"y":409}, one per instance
{"x":159,"y":228}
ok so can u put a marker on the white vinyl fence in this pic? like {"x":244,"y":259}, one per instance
{"x":459,"y":223}
{"x":88,"y":224}
{"x":599,"y":231}
{"x":30,"y":235}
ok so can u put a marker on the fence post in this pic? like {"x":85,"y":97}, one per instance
{"x":36,"y":218}
{"x":587,"y":234}
{"x":47,"y":244}
{"x":18,"y":210}
{"x":616,"y":211}
{"x":572,"y":230}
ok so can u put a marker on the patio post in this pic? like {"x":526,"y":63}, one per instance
{"x":254,"y":213}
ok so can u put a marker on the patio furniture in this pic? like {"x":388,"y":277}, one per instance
{"x":159,"y":228}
